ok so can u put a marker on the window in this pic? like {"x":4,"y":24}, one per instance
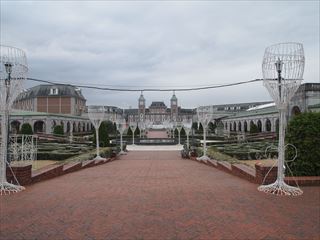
{"x":54,"y":91}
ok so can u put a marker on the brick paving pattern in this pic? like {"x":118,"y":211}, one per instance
{"x":156,"y":195}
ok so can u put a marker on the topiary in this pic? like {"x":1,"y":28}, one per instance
{"x":304,"y":133}
{"x":58,"y":130}
{"x":253,"y":128}
{"x":26,"y":129}
{"x":104,"y":140}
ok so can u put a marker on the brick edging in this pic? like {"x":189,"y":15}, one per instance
{"x":258,"y":174}
{"x":25,"y":176}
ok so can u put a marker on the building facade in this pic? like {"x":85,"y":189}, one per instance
{"x":265,"y":116}
{"x":45,"y":106}
{"x":57,"y":99}
{"x":158,"y":112}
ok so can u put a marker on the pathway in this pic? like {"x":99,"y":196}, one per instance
{"x":157,"y":134}
{"x":156,"y":195}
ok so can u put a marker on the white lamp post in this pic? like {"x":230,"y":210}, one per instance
{"x":282,"y":69}
{"x":13,"y":72}
{"x":96,"y":115}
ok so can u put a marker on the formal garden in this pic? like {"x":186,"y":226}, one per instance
{"x":302,"y":155}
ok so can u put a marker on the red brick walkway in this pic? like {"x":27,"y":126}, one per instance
{"x":156,"y":195}
{"x":157,"y":134}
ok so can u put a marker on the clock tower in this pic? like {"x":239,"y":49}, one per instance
{"x":174,"y":107}
{"x":141,"y":108}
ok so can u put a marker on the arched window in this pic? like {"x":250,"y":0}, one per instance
{"x":239,"y":126}
{"x":268,"y":125}
{"x":245,"y":126}
{"x":259,"y":125}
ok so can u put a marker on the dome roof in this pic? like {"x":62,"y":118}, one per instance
{"x":45,"y":90}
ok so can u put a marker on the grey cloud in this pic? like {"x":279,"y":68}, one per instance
{"x":159,"y":44}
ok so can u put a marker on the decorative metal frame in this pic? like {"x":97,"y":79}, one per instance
{"x":187,"y":126}
{"x":96,"y":115}
{"x":121,"y":127}
{"x":179,"y":128}
{"x":23,"y":149}
{"x":142,"y":127}
{"x":282,"y":69}
{"x":133,"y":126}
{"x":13,"y":72}
{"x":205,"y":116}
{"x":173,"y":125}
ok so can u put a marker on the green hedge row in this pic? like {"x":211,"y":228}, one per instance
{"x":54,"y":156}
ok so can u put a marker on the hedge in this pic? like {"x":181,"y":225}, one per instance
{"x":304,"y":133}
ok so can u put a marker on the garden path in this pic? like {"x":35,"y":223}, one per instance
{"x":156,"y":195}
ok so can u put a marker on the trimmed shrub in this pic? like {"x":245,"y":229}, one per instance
{"x":58,"y":130}
{"x":54,"y":156}
{"x":104,"y":140}
{"x":304,"y":133}
{"x":212,"y":127}
{"x":253,"y":128}
{"x":26,"y":129}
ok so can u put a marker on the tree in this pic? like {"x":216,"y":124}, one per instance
{"x":200,"y":129}
{"x":104,"y":140}
{"x":304,"y":133}
{"x":212,"y":127}
{"x":58,"y":130}
{"x":195,"y":126}
{"x":253,"y":128}
{"x":111,"y":128}
{"x":136,"y":132}
{"x":26,"y":129}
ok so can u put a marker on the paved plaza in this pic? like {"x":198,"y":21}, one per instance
{"x":154,"y":148}
{"x":156,"y":195}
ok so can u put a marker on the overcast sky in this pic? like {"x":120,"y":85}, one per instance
{"x":165,"y":44}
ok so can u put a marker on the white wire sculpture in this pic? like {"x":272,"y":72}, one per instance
{"x":23,"y":149}
{"x":13,"y":72}
{"x":121,"y":127}
{"x":133,"y":127}
{"x":205,"y":115}
{"x":96,"y":115}
{"x":173,"y":126}
{"x":142,"y":127}
{"x":166,"y":125}
{"x":179,"y":128}
{"x":282,"y":69}
{"x":187,"y":126}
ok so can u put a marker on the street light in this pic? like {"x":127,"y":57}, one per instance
{"x":282,"y":69}
{"x":8,"y":67}
{"x":96,"y":115}
{"x":14,"y":61}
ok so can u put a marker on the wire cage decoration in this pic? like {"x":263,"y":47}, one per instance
{"x":96,"y":115}
{"x":133,"y":126}
{"x":121,"y":127}
{"x":187,"y":126}
{"x":204,"y":116}
{"x":13,"y":72}
{"x":282,"y":69}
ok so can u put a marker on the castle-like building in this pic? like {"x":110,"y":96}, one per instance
{"x":158,"y":112}
{"x":46,"y":106}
